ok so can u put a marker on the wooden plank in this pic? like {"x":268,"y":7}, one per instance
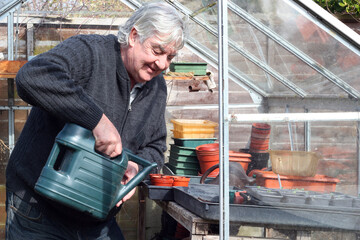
{"x":216,"y":237}
{"x":9,"y":69}
{"x":200,"y":78}
{"x":193,"y":223}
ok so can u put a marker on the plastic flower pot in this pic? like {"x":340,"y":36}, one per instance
{"x":239,"y":154}
{"x":259,"y":140}
{"x":205,"y":165}
{"x":213,"y":174}
{"x":261,"y":128}
{"x":165,"y":181}
{"x":238,"y":199}
{"x":181,"y":181}
{"x":210,"y":147}
{"x":153,"y":176}
{"x":243,"y":161}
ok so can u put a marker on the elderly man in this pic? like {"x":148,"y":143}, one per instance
{"x":110,"y":85}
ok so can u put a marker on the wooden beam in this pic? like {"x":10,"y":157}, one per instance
{"x":200,"y":78}
{"x":9,"y":69}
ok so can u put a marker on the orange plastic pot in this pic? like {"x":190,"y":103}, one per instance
{"x":181,"y":181}
{"x":261,"y":128}
{"x":154,"y":176}
{"x":238,"y":199}
{"x":163,"y":181}
{"x":243,"y":161}
{"x":239,"y":154}
{"x":318,"y":183}
{"x":260,"y":140}
{"x":255,"y":146}
{"x":205,"y":165}
{"x":213,"y":174}
{"x":259,"y":144}
{"x":209,"y":147}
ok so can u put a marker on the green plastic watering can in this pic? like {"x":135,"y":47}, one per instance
{"x":77,"y":176}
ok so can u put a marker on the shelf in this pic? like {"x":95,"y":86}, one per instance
{"x":9,"y":69}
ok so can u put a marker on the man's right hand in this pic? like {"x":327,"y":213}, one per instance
{"x":107,"y":138}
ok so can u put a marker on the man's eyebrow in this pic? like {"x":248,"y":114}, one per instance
{"x":162,"y":49}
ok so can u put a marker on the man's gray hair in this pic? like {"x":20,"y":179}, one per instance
{"x":155,"y":19}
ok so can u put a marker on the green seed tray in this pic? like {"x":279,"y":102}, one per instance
{"x":185,"y":151}
{"x":192,"y":142}
{"x":187,"y":165}
{"x":197,"y":68}
{"x":183,"y":158}
{"x":183,"y":171}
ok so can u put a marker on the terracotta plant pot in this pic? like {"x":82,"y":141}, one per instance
{"x":260,"y":135}
{"x":208,"y":156}
{"x":240,"y":157}
{"x":261,"y":128}
{"x":208,"y":147}
{"x":207,"y":161}
{"x":181,"y":181}
{"x":165,"y":182}
{"x":243,"y":161}
{"x":153,"y":176}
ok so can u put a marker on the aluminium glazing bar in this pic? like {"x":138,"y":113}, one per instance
{"x":212,"y":106}
{"x":15,"y":108}
{"x":224,"y":209}
{"x":265,"y":67}
{"x":334,"y":27}
{"x":296,"y":117}
{"x":206,"y":54}
{"x":11,"y":115}
{"x":292,"y":49}
{"x":307,"y":134}
{"x":9,"y":7}
{"x":358,"y":155}
{"x":133,"y":4}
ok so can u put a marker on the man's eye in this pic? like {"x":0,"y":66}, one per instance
{"x":157,"y":52}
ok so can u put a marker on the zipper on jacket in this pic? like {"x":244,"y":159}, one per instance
{"x":130,"y":108}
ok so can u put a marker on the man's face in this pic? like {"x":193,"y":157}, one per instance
{"x":148,"y":59}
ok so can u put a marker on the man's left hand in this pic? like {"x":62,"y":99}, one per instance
{"x":131,"y":171}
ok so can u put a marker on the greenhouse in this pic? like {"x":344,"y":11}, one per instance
{"x":277,"y":86}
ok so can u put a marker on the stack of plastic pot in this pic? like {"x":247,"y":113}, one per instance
{"x":260,"y":136}
{"x":188,"y":134}
{"x":259,"y":144}
{"x":208,"y":156}
{"x":242,"y":158}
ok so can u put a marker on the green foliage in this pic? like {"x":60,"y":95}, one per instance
{"x":351,"y":7}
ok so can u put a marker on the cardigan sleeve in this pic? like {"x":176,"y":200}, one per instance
{"x":51,"y":81}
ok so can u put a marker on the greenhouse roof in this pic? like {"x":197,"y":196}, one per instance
{"x":8,"y":5}
{"x":279,"y":48}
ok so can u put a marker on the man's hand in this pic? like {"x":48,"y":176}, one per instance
{"x":131,"y":171}
{"x":107,"y":138}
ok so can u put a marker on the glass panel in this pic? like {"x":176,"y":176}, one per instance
{"x":305,"y":37}
{"x":293,"y":29}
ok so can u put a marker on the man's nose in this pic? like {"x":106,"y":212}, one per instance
{"x":162,"y":62}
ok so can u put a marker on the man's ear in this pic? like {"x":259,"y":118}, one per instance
{"x":132,"y":37}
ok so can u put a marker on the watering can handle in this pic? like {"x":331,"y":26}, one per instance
{"x":147,"y":167}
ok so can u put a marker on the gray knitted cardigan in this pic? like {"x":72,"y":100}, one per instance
{"x":78,"y":81}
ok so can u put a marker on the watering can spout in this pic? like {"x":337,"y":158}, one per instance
{"x":125,"y":189}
